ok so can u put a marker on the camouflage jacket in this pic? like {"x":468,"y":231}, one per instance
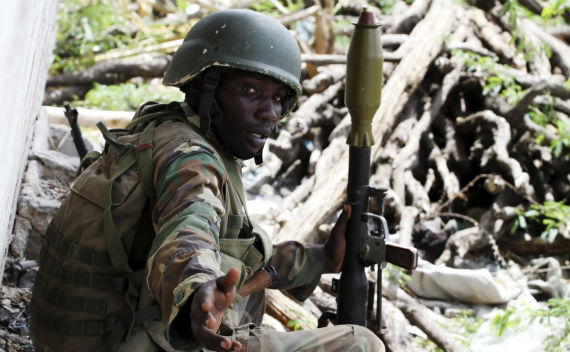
{"x":198,"y":207}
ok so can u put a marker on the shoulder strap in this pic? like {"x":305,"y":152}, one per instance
{"x":115,"y":248}
{"x":129,"y":154}
{"x":87,"y":160}
{"x":144,"y":160}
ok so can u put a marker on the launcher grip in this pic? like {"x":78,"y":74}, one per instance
{"x":405,"y":257}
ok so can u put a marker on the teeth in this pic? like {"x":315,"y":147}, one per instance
{"x":256,"y":135}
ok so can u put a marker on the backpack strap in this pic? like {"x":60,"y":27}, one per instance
{"x":115,"y":248}
{"x":119,"y":147}
{"x":141,"y":154}
{"x":144,"y":160}
{"x":147,"y":107}
{"x":88,"y":159}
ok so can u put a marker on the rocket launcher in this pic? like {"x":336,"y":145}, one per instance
{"x":367,"y":233}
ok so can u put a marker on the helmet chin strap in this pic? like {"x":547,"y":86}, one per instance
{"x":208,"y":97}
{"x":210,"y":115}
{"x":258,"y":158}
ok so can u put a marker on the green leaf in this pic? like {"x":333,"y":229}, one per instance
{"x":181,"y":5}
{"x":556,"y":148}
{"x":522,"y":222}
{"x":552,"y":233}
{"x":495,"y":80}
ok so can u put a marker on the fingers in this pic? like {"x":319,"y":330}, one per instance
{"x":228,"y":282}
{"x":206,"y":320}
{"x":346,"y":212}
{"x":211,"y":321}
{"x":234,"y":345}
{"x":213,"y":341}
{"x":335,"y":246}
{"x":342,"y":221}
{"x":226,"y":289}
{"x":208,"y":306}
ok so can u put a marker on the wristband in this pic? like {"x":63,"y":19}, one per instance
{"x":272,"y":273}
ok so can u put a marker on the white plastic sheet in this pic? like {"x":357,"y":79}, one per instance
{"x":474,"y":286}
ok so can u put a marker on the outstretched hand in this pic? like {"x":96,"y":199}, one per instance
{"x":207,"y":310}
{"x":335,"y":245}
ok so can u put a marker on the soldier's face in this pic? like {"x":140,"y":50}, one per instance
{"x":251,"y":106}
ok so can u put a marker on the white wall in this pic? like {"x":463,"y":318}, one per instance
{"x":27,"y":37}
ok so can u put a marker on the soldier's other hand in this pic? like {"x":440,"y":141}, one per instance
{"x":335,"y":246}
{"x":207,"y":310}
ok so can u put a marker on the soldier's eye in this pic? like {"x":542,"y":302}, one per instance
{"x":249,"y":89}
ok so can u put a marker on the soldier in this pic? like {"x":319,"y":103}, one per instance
{"x":209,"y":264}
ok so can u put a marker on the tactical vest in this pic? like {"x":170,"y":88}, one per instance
{"x":92,"y":263}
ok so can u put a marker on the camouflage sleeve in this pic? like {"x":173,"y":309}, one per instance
{"x":299,"y":268}
{"x":185,"y":253}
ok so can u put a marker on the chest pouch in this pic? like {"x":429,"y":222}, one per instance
{"x":248,"y":254}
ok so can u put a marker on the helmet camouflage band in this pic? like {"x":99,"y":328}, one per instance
{"x":241,"y":39}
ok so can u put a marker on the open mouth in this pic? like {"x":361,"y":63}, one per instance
{"x":258,"y":138}
{"x":258,"y":135}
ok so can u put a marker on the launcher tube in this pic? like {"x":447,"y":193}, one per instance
{"x":362,"y":98}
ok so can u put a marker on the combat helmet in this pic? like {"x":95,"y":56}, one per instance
{"x":241,"y":39}
{"x":238,"y":39}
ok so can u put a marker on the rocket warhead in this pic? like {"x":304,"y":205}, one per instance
{"x":364,"y":78}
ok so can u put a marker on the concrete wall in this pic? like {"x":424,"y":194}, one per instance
{"x":26,"y":42}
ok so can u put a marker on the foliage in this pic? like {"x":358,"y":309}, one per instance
{"x":386,"y":6}
{"x":342,"y":42}
{"x":555,"y":8}
{"x":183,"y":5}
{"x":551,"y":15}
{"x":86,"y":28}
{"x":297,"y":324}
{"x":425,"y":344}
{"x":268,"y":7}
{"x":126,"y":96}
{"x":552,"y":215}
{"x":506,"y":319}
{"x":558,"y":145}
{"x":556,"y":308}
{"x":546,"y":115}
{"x":542,"y":116}
{"x":497,"y":83}
{"x":469,"y":324}
{"x":396,"y":275}
{"x":559,"y":308}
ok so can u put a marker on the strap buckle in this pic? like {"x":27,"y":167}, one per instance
{"x":211,"y":79}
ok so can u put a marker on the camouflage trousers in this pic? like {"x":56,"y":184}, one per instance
{"x":239,"y":324}
{"x":340,"y":338}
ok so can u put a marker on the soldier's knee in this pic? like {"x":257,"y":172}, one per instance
{"x":371,"y":341}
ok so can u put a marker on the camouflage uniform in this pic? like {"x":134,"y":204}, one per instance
{"x":197,"y":209}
